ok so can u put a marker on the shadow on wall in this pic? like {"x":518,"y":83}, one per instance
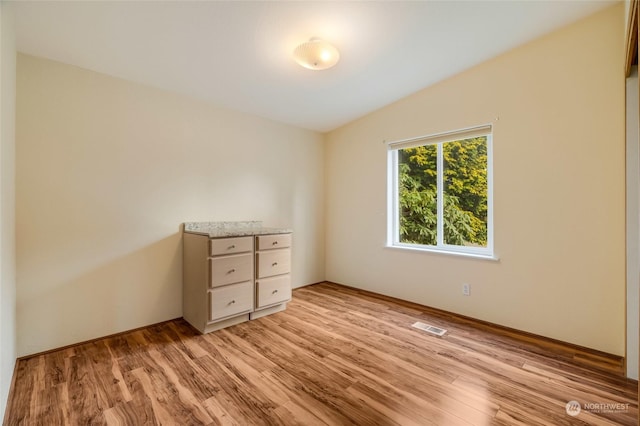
{"x":141,"y":288}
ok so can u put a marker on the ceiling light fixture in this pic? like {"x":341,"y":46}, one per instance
{"x":316,"y":54}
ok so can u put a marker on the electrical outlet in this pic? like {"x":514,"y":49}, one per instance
{"x":466,"y":289}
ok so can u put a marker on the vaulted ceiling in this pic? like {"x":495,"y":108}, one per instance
{"x":237,"y":54}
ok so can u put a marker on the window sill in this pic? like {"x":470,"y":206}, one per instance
{"x":479,"y":256}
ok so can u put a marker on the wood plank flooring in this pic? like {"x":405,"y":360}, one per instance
{"x":336,"y":356}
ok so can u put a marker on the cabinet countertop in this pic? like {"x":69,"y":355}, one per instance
{"x":231,"y":229}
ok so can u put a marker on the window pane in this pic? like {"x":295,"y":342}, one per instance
{"x":417,"y":195}
{"x":465,"y":192}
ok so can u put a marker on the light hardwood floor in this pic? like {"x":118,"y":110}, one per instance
{"x":336,"y":356}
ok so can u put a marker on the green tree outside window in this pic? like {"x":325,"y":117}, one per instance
{"x":465,"y":192}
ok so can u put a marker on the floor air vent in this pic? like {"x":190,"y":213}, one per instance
{"x":429,"y":328}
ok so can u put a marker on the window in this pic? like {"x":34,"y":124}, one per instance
{"x":440,"y":192}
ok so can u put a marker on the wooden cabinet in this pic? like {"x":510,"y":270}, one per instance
{"x":230,"y":300}
{"x":273,"y":291}
{"x":273,"y":274}
{"x":273,"y":262}
{"x":268,"y":242}
{"x":218,"y":285}
{"x":233,"y":279}
{"x":230,"y":269}
{"x":222,"y":246}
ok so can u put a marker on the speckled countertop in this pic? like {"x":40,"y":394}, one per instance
{"x":231,"y":229}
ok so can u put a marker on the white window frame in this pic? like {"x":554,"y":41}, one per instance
{"x":393,"y":211}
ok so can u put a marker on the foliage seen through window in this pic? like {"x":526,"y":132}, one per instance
{"x":465,"y":193}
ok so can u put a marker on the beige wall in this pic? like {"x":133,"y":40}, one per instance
{"x":107,"y":169}
{"x":106,"y":172}
{"x":558,"y":188}
{"x":7,"y":203}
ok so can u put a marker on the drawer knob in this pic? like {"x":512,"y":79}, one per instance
{"x":274,"y":264}
{"x":274,"y":291}
{"x":275,"y":243}
{"x":231,"y":271}
{"x":232,"y":302}
{"x":232,"y":246}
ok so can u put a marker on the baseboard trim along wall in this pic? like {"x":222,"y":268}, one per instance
{"x":547,"y":344}
{"x":84,"y":342}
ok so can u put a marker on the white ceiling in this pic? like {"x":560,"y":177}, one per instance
{"x":238,"y":54}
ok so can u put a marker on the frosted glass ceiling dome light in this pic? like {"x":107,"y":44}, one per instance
{"x":316,"y":54}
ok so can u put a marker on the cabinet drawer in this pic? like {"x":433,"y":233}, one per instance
{"x":221,"y":246}
{"x":270,"y":291}
{"x":230,"y":269}
{"x":230,"y":300}
{"x":268,"y":242}
{"x":273,"y":262}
